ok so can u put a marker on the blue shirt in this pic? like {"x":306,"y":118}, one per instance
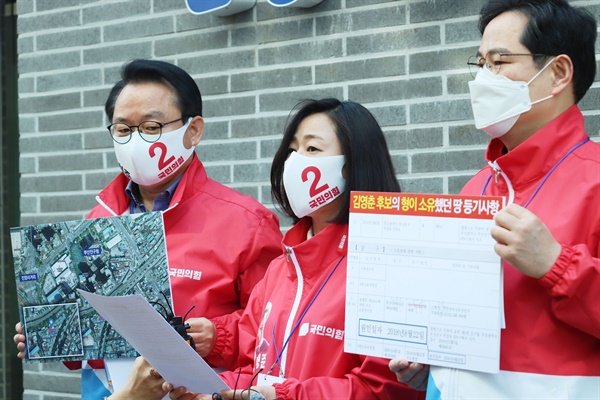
{"x":161,"y":202}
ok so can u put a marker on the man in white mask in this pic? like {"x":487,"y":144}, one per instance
{"x":536,"y":61}
{"x":219,"y":242}
{"x":498,"y":101}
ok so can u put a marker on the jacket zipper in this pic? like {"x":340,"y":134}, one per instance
{"x":103,"y":204}
{"x":289,"y":254}
{"x":498,"y":172}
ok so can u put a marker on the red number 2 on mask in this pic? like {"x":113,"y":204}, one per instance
{"x":314,"y":190}
{"x":162,"y":163}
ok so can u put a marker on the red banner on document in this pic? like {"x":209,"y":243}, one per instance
{"x":435,"y":205}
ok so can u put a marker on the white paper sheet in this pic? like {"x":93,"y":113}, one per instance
{"x":148,"y":332}
{"x":423,"y":280}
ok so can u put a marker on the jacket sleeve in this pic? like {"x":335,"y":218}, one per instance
{"x":263,"y":248}
{"x":224,"y":353}
{"x":236,"y":335}
{"x":573,"y":283}
{"x":372,"y":380}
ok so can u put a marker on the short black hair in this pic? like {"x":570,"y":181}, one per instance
{"x":554,"y":28}
{"x":368,"y":162}
{"x":187,"y":94}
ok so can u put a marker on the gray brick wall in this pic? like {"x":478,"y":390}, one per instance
{"x":404,"y":60}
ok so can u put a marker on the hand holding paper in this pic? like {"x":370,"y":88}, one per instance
{"x":148,"y":332}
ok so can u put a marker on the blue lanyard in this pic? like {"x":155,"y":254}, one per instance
{"x":279,"y":354}
{"x":545,"y":177}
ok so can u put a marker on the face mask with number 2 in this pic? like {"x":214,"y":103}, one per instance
{"x":150,"y":163}
{"x":312,"y":182}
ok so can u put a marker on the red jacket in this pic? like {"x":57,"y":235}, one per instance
{"x":314,"y":363}
{"x":552,"y":323}
{"x":219,"y":242}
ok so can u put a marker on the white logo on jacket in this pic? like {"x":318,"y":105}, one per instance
{"x":263,"y":346}
{"x":185,"y":273}
{"x":321,"y":330}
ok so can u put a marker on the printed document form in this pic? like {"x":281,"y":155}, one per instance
{"x":423,"y":280}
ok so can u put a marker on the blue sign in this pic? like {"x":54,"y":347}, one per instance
{"x":219,"y":7}
{"x":93,"y":251}
{"x":202,"y":6}
{"x":28,"y":277}
{"x":230,"y":7}
{"x":295,"y":3}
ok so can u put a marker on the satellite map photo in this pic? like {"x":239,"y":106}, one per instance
{"x":108,"y":256}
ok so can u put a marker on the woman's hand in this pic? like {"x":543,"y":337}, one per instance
{"x":268,"y":392}
{"x":181,"y":393}
{"x":144,"y":383}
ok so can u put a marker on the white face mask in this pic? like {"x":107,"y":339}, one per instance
{"x":312,"y":182}
{"x":498,"y":102}
{"x":150,"y":163}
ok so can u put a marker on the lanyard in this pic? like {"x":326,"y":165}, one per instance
{"x":280,"y":353}
{"x":545,"y":177}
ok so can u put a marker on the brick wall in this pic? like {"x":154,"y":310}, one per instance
{"x":404,"y":60}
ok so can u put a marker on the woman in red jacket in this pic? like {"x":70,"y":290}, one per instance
{"x":290,"y":339}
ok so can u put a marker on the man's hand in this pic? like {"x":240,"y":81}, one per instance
{"x":204,"y":334}
{"x":414,"y":375}
{"x":19,"y":340}
{"x":524,"y":241}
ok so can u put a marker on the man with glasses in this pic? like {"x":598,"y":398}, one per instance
{"x":219,"y":242}
{"x":535,"y":63}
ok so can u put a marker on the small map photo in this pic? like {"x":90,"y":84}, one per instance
{"x":53,"y":331}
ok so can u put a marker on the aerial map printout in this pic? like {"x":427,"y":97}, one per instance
{"x":108,"y":256}
{"x":423,"y":280}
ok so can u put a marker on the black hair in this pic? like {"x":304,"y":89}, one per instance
{"x":187,"y":94}
{"x":554,"y":28}
{"x":368,"y":163}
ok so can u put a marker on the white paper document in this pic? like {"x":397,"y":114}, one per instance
{"x":152,"y":336}
{"x":423,"y":280}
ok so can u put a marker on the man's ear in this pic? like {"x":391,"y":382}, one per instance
{"x":562,"y":70}
{"x":194,"y":132}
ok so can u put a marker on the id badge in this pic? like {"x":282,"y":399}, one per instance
{"x":268,"y":380}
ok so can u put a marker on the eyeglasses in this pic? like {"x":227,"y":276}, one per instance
{"x":493,"y":61}
{"x":150,"y":131}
